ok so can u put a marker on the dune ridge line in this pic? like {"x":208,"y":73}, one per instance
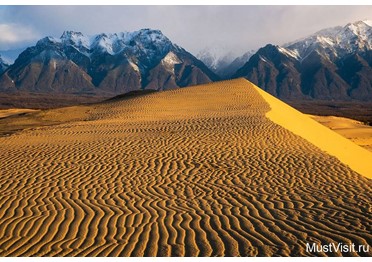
{"x":356,"y":157}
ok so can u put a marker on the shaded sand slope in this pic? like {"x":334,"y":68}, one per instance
{"x":199,"y":171}
{"x":14,"y":120}
{"x":11,"y":112}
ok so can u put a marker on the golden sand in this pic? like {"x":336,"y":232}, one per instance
{"x":12,"y":112}
{"x":199,"y":171}
{"x":358,"y":132}
{"x":359,"y":159}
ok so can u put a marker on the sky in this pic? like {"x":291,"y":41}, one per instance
{"x":224,"y":29}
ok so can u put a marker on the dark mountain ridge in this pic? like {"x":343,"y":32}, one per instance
{"x":104,"y":64}
{"x":332,"y":64}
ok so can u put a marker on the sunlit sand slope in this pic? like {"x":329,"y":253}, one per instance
{"x":358,"y":158}
{"x":199,"y":171}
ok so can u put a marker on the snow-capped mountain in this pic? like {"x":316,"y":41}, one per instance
{"x":337,"y":41}
{"x":112,"y":63}
{"x":334,"y":63}
{"x":212,"y":58}
{"x":223,"y":65}
{"x":209,"y":58}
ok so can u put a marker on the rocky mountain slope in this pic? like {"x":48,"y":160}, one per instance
{"x":3,"y":65}
{"x":332,"y":64}
{"x":104,"y":63}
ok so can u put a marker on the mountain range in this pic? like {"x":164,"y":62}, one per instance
{"x":104,"y":63}
{"x":332,"y":64}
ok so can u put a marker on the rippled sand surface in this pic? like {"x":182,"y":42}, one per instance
{"x":200,"y":171}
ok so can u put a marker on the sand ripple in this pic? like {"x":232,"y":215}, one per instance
{"x":191,"y":172}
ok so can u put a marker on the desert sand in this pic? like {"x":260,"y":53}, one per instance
{"x":13,"y":112}
{"x":210,"y":170}
{"x":348,"y":152}
{"x":356,"y":131}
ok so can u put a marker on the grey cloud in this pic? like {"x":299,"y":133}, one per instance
{"x":235,"y":28}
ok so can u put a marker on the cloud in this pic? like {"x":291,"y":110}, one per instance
{"x":14,"y":35}
{"x":232,"y":28}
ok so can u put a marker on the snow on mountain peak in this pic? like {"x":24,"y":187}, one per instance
{"x":336,"y":40}
{"x":171,"y":59}
{"x":104,"y":43}
{"x":152,"y":35}
{"x":216,"y":56}
{"x":113,"y":43}
{"x":359,"y":28}
{"x":48,"y":40}
{"x":71,"y":35}
{"x":76,"y":39}
{"x":367,"y":22}
{"x":288,"y":52}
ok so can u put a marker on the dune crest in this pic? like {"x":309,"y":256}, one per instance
{"x":199,"y":171}
{"x":358,"y":158}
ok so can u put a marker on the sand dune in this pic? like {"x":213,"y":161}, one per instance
{"x":358,"y":132}
{"x":359,"y":159}
{"x":12,"y":112}
{"x":199,"y":171}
